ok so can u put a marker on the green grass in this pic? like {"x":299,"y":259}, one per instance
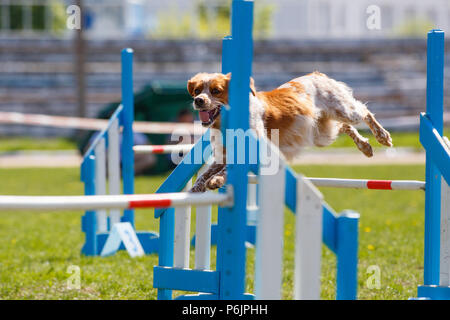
{"x":38,"y":248}
{"x":9,"y":144}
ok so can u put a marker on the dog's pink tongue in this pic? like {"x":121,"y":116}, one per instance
{"x":204,"y":116}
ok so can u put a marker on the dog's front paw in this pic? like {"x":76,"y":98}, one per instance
{"x":215,"y":182}
{"x":198,"y":188}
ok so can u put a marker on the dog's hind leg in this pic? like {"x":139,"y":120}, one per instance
{"x":337,"y":101}
{"x":357,"y":112}
{"x":361,"y":142}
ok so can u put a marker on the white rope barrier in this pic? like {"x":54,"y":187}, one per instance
{"x":97,"y":124}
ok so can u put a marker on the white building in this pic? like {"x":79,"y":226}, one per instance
{"x":286,"y":19}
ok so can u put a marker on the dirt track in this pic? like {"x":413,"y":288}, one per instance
{"x":40,"y":159}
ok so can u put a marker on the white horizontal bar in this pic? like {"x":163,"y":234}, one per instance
{"x":408,"y":185}
{"x":113,"y":201}
{"x":359,"y":183}
{"x":364,"y":184}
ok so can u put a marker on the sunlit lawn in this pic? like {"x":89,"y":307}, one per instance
{"x":38,"y":248}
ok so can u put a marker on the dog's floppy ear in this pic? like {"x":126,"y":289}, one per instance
{"x":228,"y":78}
{"x":190,"y":87}
{"x":252,"y":83}
{"x":252,"y":86}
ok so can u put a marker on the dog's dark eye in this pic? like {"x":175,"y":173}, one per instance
{"x":197,"y":91}
{"x":215,"y":91}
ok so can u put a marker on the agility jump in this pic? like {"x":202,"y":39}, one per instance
{"x":267,"y":272}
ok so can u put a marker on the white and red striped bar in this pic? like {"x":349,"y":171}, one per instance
{"x":157,"y":200}
{"x":96,"y":124}
{"x":162,"y":149}
{"x":368,"y":184}
{"x":360,"y":183}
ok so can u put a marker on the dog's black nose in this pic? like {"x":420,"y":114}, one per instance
{"x":199,"y":102}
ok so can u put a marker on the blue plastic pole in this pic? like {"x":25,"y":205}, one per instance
{"x":166,"y":240}
{"x":435,"y":82}
{"x":347,"y":256}
{"x":127,"y":134}
{"x":226,"y":68}
{"x":89,"y":220}
{"x":223,"y":212}
{"x":232,"y":224}
{"x":226,"y":54}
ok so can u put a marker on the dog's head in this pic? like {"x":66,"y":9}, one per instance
{"x":210,"y":92}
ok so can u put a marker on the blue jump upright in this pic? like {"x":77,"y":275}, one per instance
{"x":228,"y":281}
{"x":437,"y":167}
{"x":93,"y":169}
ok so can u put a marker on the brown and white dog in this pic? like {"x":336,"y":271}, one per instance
{"x":308,"y":111}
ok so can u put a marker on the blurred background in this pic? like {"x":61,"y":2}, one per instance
{"x":377,"y":47}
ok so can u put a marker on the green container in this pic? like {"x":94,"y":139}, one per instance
{"x":159,"y":101}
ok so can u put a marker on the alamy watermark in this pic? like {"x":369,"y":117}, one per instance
{"x":74,"y":280}
{"x":373,"y":21}
{"x":374,"y":279}
{"x":73,"y":21}
{"x":236,"y":147}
